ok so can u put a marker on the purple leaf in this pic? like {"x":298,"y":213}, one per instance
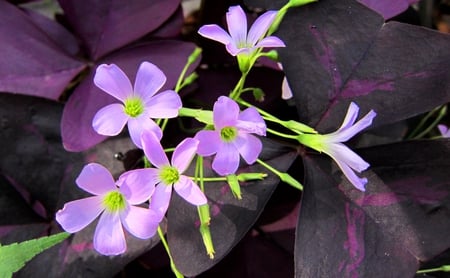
{"x":87,"y":99}
{"x":388,"y":8}
{"x":32,"y":63}
{"x":400,"y":221}
{"x":107,"y":25}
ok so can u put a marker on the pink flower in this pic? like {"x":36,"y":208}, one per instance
{"x":139,"y":104}
{"x":117,"y":207}
{"x":232,"y":136}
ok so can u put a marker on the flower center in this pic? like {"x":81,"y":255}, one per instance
{"x":228,"y":133}
{"x":169,"y":175}
{"x":114,"y":201}
{"x":134,"y":107}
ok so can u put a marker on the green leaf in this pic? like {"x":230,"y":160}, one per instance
{"x":14,"y":256}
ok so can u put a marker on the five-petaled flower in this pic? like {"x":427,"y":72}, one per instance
{"x":138,"y":105}
{"x":167,"y":175}
{"x":232,"y":136}
{"x":117,"y":207}
{"x":331,"y":144}
{"x":445,"y":131}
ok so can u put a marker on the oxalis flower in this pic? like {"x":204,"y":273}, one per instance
{"x":331,"y":144}
{"x":238,"y":41}
{"x":167,"y":175}
{"x":232,"y":136}
{"x":139,"y":104}
{"x":117,"y":207}
{"x":444,"y":130}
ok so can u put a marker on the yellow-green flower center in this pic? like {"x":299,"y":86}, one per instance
{"x":228,"y":133}
{"x":114,"y":201}
{"x":169,"y":175}
{"x":134,"y":106}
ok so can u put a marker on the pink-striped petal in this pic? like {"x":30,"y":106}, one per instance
{"x":140,"y":222}
{"x":251,"y":121}
{"x":109,"y":238}
{"x":164,"y":105}
{"x":237,"y":24}
{"x":189,"y":191}
{"x":216,"y":33}
{"x":249,"y":147}
{"x":110,"y":120}
{"x":226,"y":161}
{"x":77,"y":214}
{"x":142,"y":124}
{"x":138,"y":185}
{"x":184,"y":153}
{"x":149,"y":80}
{"x":111,"y":79}
{"x":209,"y":142}
{"x":270,"y":41}
{"x":260,"y":27}
{"x":153,"y":150}
{"x":160,"y":200}
{"x":95,"y":179}
{"x":225,"y":112}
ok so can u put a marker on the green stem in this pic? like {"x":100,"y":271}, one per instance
{"x":236,"y":93}
{"x":166,"y":246}
{"x":442,"y":112}
{"x":285,"y":177}
{"x":282,"y":134}
{"x":413,"y":134}
{"x":443,"y":268}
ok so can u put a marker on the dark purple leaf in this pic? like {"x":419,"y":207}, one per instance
{"x":388,"y":8}
{"x":32,"y":63}
{"x":172,"y":27}
{"x":230,"y":218}
{"x":400,"y":221}
{"x":87,"y":99}
{"x":107,"y":25}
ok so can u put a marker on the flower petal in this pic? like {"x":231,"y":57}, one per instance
{"x":340,"y":152}
{"x":184,"y":153}
{"x":225,"y":112}
{"x":350,"y":116}
{"x":153,"y":150}
{"x":226,"y":161}
{"x":138,"y":185}
{"x":187,"y":189}
{"x":209,"y":142}
{"x":270,"y":41}
{"x":164,"y":105}
{"x":109,"y":238}
{"x":351,"y":176}
{"x":237,"y":24}
{"x":260,"y":27}
{"x":110,"y":120}
{"x":111,"y":79}
{"x":216,"y":33}
{"x":345,"y":134}
{"x":149,"y":80}
{"x":251,"y":121}
{"x":160,"y":200}
{"x":445,"y":131}
{"x":249,"y":147}
{"x":142,"y":124}
{"x":77,"y":214}
{"x":140,"y":222}
{"x":95,"y":179}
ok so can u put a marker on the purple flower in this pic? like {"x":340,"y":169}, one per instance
{"x":167,"y":175}
{"x":138,"y":105}
{"x":445,"y":131}
{"x":331,"y":144}
{"x":116,"y":206}
{"x":239,"y":41}
{"x":232,"y":136}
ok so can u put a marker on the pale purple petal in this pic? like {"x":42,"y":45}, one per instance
{"x":225,"y":112}
{"x":214,"y":32}
{"x":142,"y":124}
{"x":226,"y":161}
{"x":149,"y":79}
{"x":138,"y":185}
{"x":270,"y":42}
{"x":445,"y":131}
{"x":160,"y":200}
{"x":140,"y":222}
{"x":345,"y":134}
{"x":111,"y":79}
{"x":237,"y":24}
{"x":184,"y":153}
{"x":164,"y":105}
{"x":209,"y":142}
{"x":249,"y":147}
{"x":260,"y":27}
{"x":234,"y":50}
{"x":95,"y":179}
{"x":109,"y":238}
{"x":351,"y":176}
{"x":350,"y":116}
{"x":110,"y":120}
{"x":153,"y":150}
{"x":77,"y":214}
{"x":251,"y":121}
{"x":340,"y":152}
{"x":187,"y":189}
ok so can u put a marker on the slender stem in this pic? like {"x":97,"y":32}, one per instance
{"x":443,"y":268}
{"x":282,"y":134}
{"x":273,"y":170}
{"x":239,"y":87}
{"x":215,"y":179}
{"x":262,"y":112}
{"x":166,"y":246}
{"x":422,"y":123}
{"x":439,"y":117}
